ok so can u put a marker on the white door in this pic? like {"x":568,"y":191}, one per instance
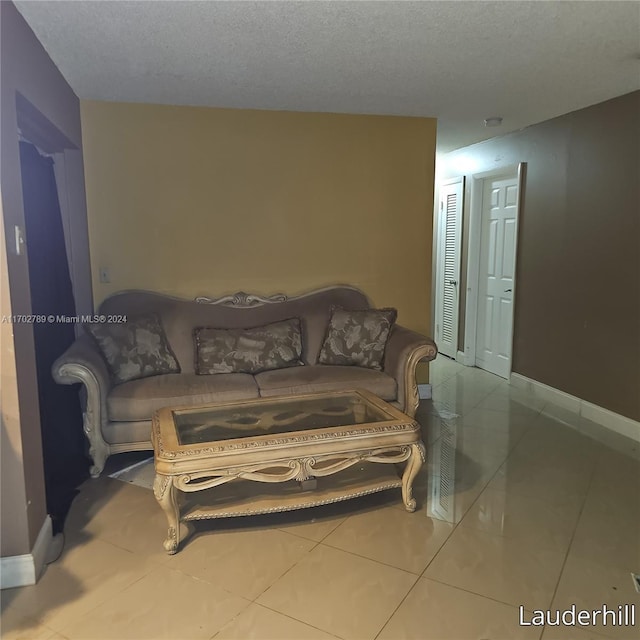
{"x":496,"y":280}
{"x":448,"y":268}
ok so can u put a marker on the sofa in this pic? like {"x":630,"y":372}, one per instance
{"x":117,"y":415}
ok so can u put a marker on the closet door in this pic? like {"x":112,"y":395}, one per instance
{"x":448,"y":267}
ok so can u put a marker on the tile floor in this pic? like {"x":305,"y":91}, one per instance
{"x":517,"y":508}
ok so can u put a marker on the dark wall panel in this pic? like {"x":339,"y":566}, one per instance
{"x":577,"y":318}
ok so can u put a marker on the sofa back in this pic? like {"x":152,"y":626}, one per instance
{"x":180,"y":317}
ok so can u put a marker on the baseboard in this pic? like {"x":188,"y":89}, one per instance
{"x":19,"y":571}
{"x":545,"y":392}
{"x":424,"y":391}
{"x":466,"y":359}
{"x":613,"y":421}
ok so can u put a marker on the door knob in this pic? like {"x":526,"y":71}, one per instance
{"x":453,"y":282}
{"x":508,"y":290}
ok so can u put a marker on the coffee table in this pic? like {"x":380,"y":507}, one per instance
{"x":305,"y":450}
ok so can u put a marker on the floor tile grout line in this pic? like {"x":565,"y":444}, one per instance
{"x":282,"y":575}
{"x":515,"y":538}
{"x":286,"y":615}
{"x":475,"y":593}
{"x":157,"y":562}
{"x":113,"y":595}
{"x":254,"y":600}
{"x":423,"y":577}
{"x":326,"y":535}
{"x":233,"y":593}
{"x":323,"y":544}
{"x":243,"y":610}
{"x":457,"y":524}
{"x":573,"y":535}
{"x":357,"y":555}
{"x":393,"y":613}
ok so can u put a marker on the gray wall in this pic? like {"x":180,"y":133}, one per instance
{"x":26,"y":69}
{"x":577,"y":313}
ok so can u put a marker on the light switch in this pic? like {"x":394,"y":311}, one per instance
{"x":19,"y":236}
{"x":105,"y":276}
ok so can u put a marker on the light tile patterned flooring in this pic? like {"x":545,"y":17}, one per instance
{"x":517,"y":508}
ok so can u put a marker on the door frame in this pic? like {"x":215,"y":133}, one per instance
{"x":68,"y":166}
{"x":473,"y":261}
{"x":439,"y":266}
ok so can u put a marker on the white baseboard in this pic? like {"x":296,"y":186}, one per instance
{"x":465,"y":358}
{"x":19,"y":571}
{"x":425,"y":391}
{"x":613,"y":421}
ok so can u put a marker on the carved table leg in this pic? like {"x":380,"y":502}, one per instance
{"x":166,"y":494}
{"x":411,"y":470}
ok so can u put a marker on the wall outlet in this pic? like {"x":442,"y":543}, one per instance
{"x":105,"y":276}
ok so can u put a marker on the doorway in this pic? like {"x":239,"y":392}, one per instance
{"x":65,"y":462}
{"x":491,"y":275}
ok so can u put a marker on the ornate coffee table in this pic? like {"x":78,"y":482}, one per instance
{"x":318,"y":449}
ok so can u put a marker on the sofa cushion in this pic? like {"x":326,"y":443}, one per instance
{"x":181,"y":317}
{"x":272,"y":346}
{"x":134,"y":349}
{"x":138,"y":399}
{"x":357,"y":337}
{"x":127,"y":432}
{"x":317,"y":378}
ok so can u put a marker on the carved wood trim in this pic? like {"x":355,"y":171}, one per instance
{"x":411,"y":395}
{"x":298,"y":468}
{"x":256,"y":299}
{"x":160,"y":484}
{"x":243,"y":300}
{"x":292,"y":506}
{"x":253,"y":443}
{"x":92,"y":416}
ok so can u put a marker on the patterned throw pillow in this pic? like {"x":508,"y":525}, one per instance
{"x":273,"y":346}
{"x":134,"y":349}
{"x":357,"y":338}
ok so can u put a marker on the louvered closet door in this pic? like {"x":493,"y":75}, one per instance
{"x":448,"y":271}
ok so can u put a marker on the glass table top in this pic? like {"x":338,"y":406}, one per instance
{"x":208,"y":424}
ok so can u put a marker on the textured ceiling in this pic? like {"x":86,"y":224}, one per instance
{"x":457,"y":61}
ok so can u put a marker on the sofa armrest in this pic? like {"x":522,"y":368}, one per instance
{"x":405,"y":349}
{"x":82,"y":362}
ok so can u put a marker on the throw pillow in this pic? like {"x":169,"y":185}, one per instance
{"x":272,"y":346}
{"x":134,"y":349}
{"x":357,"y":338}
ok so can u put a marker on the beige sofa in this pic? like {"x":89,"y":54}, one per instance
{"x":117,"y":418}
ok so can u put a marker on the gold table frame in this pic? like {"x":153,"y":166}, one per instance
{"x":316,"y":453}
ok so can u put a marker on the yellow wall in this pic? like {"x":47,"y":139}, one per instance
{"x":193,"y":201}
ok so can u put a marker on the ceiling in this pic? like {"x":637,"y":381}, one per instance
{"x":458,"y":61}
